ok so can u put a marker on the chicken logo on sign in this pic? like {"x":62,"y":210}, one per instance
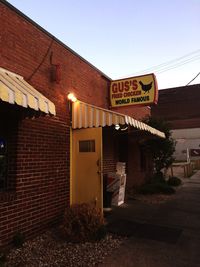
{"x":140,"y":90}
{"x":146,"y":87}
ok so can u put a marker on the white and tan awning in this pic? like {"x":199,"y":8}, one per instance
{"x":87,"y":116}
{"x":15,"y":90}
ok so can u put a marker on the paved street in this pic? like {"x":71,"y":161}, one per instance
{"x":160,"y":235}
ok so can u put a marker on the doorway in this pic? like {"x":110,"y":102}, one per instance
{"x":87,"y":183}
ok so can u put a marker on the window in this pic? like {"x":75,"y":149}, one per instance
{"x":87,"y":146}
{"x":3,"y":164}
{"x":8,"y":147}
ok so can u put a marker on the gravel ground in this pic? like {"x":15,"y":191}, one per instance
{"x":48,"y":250}
{"x":51,"y":251}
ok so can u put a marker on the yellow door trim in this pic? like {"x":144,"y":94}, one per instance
{"x":70,"y":134}
{"x":86,"y":172}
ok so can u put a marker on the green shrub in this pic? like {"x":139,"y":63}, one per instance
{"x":18,"y":239}
{"x":101,"y":233}
{"x":174,"y":181}
{"x":165,"y":189}
{"x":158,"y":178}
{"x":83,"y":222}
{"x":148,"y":189}
{"x":156,"y":188}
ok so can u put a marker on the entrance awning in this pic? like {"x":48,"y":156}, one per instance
{"x":87,"y":116}
{"x":15,"y":90}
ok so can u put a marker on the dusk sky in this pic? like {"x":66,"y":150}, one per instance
{"x":129,"y":37}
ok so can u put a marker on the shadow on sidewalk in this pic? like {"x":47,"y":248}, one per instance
{"x":145,"y":230}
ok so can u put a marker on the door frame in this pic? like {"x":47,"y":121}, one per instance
{"x":100,"y":171}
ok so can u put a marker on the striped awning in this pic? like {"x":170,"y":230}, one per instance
{"x":15,"y":90}
{"x":87,"y":116}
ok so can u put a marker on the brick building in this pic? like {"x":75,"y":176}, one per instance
{"x":180,"y":106}
{"x":40,"y":128}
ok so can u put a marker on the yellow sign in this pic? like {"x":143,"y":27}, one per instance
{"x":140,"y":90}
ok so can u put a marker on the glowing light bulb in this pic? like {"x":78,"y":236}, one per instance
{"x":117,"y":127}
{"x":72,"y":97}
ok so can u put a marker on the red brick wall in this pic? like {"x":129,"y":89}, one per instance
{"x":137,"y":175}
{"x":180,"y":106}
{"x":126,"y":148}
{"x":42,"y":164}
{"x":138,"y":112}
{"x":110,"y":150}
{"x":24,"y":47}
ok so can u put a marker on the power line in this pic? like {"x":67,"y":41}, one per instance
{"x":193,"y":79}
{"x":180,"y":64}
{"x":173,"y":63}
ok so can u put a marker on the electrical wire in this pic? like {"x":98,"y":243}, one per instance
{"x":43,"y":59}
{"x":193,"y":78}
{"x":180,"y":64}
{"x":173,"y":63}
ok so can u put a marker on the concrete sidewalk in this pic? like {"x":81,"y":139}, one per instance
{"x":160,"y":235}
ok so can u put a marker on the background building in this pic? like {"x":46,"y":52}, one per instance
{"x":180,"y":106}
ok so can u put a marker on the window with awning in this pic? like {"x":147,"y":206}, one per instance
{"x":15,"y":90}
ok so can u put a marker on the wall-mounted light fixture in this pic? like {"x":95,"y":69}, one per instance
{"x":121,"y":127}
{"x":71,"y":97}
{"x":117,"y":127}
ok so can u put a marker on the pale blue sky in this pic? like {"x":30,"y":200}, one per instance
{"x":123,"y":37}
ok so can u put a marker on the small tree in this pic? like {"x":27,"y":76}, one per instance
{"x":161,"y":149}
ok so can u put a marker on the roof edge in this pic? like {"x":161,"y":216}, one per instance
{"x":52,"y":36}
{"x":179,"y":87}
